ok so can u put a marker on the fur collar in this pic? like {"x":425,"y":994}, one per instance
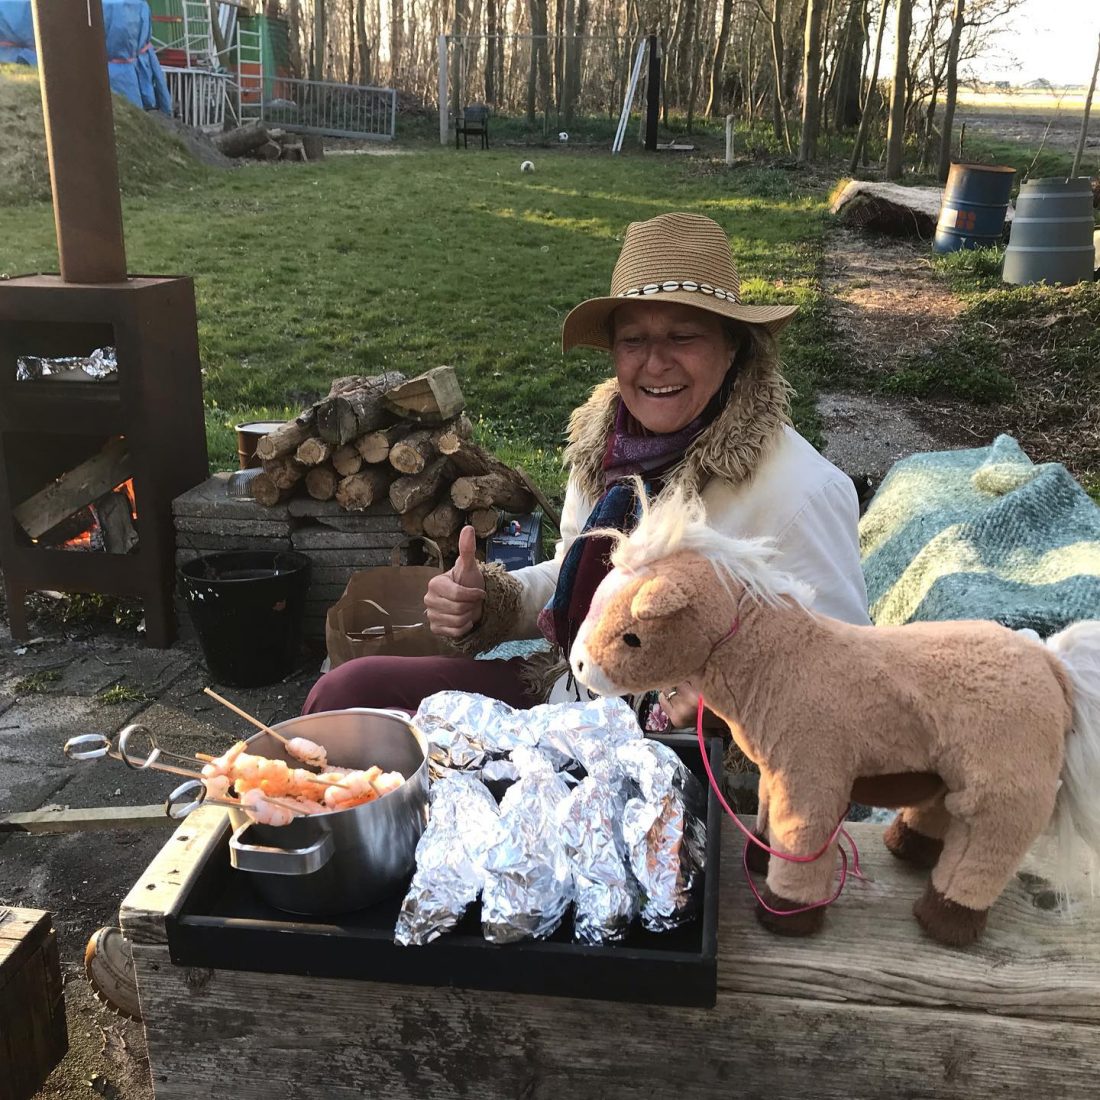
{"x":732,"y":448}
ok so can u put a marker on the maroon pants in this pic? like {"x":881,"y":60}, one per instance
{"x":403,"y":681}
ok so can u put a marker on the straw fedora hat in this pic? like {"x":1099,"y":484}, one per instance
{"x":681,"y":258}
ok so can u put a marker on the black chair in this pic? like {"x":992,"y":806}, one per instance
{"x":473,"y":121}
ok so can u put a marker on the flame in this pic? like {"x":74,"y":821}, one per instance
{"x":83,"y":541}
{"x":127,"y":487}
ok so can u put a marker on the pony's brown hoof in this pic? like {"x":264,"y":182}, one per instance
{"x":795,"y":924}
{"x":757,"y":858}
{"x":947,"y":921}
{"x":913,"y":847}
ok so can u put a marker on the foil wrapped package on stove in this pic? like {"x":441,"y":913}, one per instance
{"x":450,"y":859}
{"x":664,"y":830}
{"x":528,"y":881}
{"x":590,"y":824}
{"x":101,"y":365}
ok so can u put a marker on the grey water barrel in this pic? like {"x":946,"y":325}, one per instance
{"x":975,"y":202}
{"x":1051,"y":240}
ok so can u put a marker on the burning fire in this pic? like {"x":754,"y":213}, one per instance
{"x":90,"y":538}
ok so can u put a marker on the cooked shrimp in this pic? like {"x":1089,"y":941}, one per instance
{"x":309,"y":752}
{"x":262,"y":811}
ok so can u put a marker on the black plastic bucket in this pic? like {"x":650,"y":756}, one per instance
{"x":247,"y":607}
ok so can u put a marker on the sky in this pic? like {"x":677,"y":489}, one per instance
{"x":1051,"y":39}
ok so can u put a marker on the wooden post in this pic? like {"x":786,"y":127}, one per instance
{"x":653,"y":95}
{"x":80,"y":140}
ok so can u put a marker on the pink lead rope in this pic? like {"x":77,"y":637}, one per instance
{"x":839,"y":831}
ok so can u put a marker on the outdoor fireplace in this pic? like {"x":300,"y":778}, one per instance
{"x":67,"y":445}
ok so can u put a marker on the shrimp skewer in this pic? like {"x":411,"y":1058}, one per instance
{"x":301,"y":748}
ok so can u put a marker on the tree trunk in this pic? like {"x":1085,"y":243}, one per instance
{"x":294,"y":36}
{"x":895,"y":136}
{"x":317,"y":62}
{"x":811,"y":84}
{"x":869,"y":106}
{"x":1085,"y":119}
{"x":364,"y":45}
{"x":951,"y":95}
{"x":491,"y":48}
{"x":397,"y":38}
{"x":718,"y":61}
{"x":357,"y":492}
{"x":779,"y":110}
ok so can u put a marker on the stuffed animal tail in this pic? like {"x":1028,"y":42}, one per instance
{"x":1077,"y":809}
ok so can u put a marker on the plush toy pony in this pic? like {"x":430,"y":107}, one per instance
{"x":980,"y":734}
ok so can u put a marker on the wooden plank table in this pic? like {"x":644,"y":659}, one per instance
{"x":868,"y":1009}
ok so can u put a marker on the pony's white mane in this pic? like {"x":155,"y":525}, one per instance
{"x":677,"y":521}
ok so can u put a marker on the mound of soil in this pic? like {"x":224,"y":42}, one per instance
{"x":149,"y":155}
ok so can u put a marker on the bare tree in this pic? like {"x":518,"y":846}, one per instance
{"x":811,"y":83}
{"x":718,"y":58}
{"x":869,"y":103}
{"x":958,"y":18}
{"x":895,"y":134}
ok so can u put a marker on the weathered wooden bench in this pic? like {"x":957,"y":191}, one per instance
{"x":870,"y":1008}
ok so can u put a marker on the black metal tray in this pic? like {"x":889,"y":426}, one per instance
{"x":222,"y":923}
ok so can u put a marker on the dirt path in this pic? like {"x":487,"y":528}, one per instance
{"x":885,"y":303}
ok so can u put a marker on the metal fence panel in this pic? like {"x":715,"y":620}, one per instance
{"x":336,"y":110}
{"x":198,"y":97}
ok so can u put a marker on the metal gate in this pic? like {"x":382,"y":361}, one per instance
{"x":336,"y":110}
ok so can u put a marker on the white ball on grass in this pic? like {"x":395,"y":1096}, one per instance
{"x":527,"y":166}
{"x":563,"y":137}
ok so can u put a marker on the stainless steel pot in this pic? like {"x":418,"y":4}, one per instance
{"x":347,"y":859}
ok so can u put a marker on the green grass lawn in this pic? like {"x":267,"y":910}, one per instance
{"x":364,"y":263}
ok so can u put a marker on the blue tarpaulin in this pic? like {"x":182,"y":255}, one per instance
{"x":132,"y":65}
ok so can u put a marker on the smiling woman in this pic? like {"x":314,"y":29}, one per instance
{"x":697,"y":403}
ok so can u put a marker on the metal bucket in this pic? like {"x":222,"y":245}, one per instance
{"x":975,"y":203}
{"x":248,"y":435}
{"x":347,"y":859}
{"x":1051,"y":240}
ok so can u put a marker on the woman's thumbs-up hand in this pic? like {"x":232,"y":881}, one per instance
{"x":454,"y":600}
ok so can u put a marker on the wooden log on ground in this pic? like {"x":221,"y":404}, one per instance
{"x":264,"y":490}
{"x":430,"y":398}
{"x":75,"y":489}
{"x":285,"y":439}
{"x":313,"y":451}
{"x":411,"y":454}
{"x":63,"y":819}
{"x":491,"y":490}
{"x":359,"y":491}
{"x":443,"y":520}
{"x":890,"y":208}
{"x":242,"y":140}
{"x":270,"y":150}
{"x":286,"y":471}
{"x":484,"y":521}
{"x":413,"y":489}
{"x":375,"y":446}
{"x":346,"y":460}
{"x":412,"y":520}
{"x":352,"y":413}
{"x":321,"y":482}
{"x":448,"y":438}
{"x":470,"y":460}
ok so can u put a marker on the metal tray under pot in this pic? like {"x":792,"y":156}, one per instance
{"x":348,"y":859}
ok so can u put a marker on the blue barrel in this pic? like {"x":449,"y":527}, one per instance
{"x":1051,"y":239}
{"x":975,"y":202}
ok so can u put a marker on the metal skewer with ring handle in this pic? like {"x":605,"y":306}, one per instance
{"x":137,"y":748}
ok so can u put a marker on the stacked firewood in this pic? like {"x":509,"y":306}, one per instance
{"x":389,"y":438}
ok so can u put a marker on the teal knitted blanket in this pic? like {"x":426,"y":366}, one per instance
{"x":982,"y":534}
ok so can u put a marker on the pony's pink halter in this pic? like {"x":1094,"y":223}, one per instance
{"x":751,"y":838}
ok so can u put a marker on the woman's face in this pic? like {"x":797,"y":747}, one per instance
{"x":670,"y":360}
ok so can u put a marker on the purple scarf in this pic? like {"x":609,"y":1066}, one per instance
{"x":631,"y":449}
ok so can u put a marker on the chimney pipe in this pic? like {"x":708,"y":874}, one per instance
{"x":80,"y":139}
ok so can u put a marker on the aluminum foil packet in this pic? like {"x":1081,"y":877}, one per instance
{"x":528,"y":880}
{"x":450,"y":859}
{"x":590,"y":825}
{"x":562,"y":730}
{"x":664,"y":829}
{"x":464,"y":730}
{"x":101,"y":365}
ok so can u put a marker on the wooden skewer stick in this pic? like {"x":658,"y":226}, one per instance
{"x":246,"y":716}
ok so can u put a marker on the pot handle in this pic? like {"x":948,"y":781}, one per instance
{"x":278,"y":861}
